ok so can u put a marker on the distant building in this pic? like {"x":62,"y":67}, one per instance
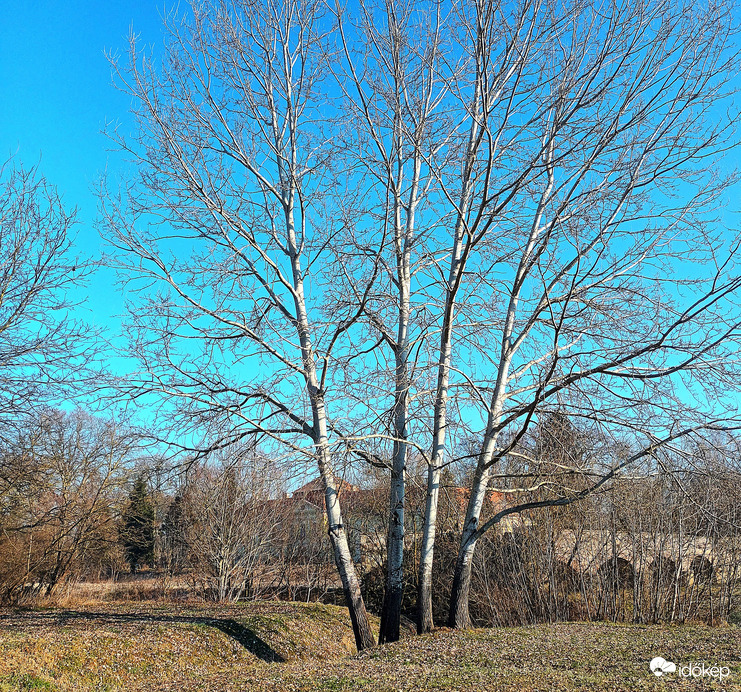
{"x":365,"y":512}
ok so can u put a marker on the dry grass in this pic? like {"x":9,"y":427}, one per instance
{"x":142,"y":587}
{"x":290,"y":646}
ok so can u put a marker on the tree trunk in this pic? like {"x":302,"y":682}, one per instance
{"x":425,"y":621}
{"x":459,"y":616}
{"x":458,"y":258}
{"x":351,"y":587}
{"x":337,"y":533}
{"x":394,"y":592}
{"x":343,"y":559}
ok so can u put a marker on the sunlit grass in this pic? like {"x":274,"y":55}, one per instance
{"x":136,"y":647}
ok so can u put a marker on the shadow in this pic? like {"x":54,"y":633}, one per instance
{"x":241,"y":634}
{"x":247,"y":638}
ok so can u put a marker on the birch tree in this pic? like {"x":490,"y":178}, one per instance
{"x":394,"y":58}
{"x":567,"y":211}
{"x":416,"y":225}
{"x":414,"y":86}
{"x":235,"y":220}
{"x":614,"y":286}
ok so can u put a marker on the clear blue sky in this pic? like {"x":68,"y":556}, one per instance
{"x":57,"y":94}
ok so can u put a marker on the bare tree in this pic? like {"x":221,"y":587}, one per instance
{"x":393,"y":91}
{"x":424,"y":99}
{"x":44,"y":349}
{"x":660,"y":544}
{"x":416,"y":91}
{"x":233,"y":222}
{"x":63,"y":513}
{"x":513,"y":200}
{"x":228,"y":523}
{"x":613,"y":288}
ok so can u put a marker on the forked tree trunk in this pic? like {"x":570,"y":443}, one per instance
{"x":425,"y":621}
{"x":394,"y":591}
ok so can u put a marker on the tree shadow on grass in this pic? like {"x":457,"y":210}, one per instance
{"x":247,"y":638}
{"x":237,"y":631}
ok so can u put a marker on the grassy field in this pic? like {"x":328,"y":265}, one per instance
{"x":291,"y":646}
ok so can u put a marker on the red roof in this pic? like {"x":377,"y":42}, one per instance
{"x":313,"y":491}
{"x":317,"y":486}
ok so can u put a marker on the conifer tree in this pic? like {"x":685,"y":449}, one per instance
{"x":138,"y":526}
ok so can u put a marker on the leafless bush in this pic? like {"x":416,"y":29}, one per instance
{"x":227,"y":524}
{"x":58,"y":521}
{"x":643,"y":552}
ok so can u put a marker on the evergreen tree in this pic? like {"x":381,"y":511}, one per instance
{"x":175,"y":547}
{"x":138,"y":526}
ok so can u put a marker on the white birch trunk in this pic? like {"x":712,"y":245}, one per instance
{"x":336,"y":528}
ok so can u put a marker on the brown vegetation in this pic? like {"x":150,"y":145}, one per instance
{"x":285,"y":647}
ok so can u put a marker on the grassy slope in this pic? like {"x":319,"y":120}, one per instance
{"x":135,"y":647}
